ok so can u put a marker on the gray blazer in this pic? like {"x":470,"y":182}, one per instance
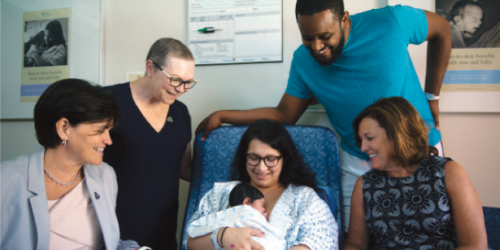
{"x":24,"y":215}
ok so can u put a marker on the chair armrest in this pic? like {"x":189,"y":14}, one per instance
{"x":326,"y":194}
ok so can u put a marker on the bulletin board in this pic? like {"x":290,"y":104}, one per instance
{"x":231,"y":32}
{"x":472,"y":81}
{"x":24,"y":26}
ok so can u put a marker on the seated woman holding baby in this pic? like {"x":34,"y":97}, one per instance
{"x":412,"y":198}
{"x":246,"y":209}
{"x":267,"y":159}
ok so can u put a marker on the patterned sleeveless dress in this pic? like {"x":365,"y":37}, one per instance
{"x":409,"y":212}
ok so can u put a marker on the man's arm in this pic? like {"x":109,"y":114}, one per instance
{"x":288,"y":111}
{"x":438,"y":55}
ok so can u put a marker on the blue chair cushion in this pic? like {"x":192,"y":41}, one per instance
{"x":326,"y":194}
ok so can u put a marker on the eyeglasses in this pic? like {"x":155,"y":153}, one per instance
{"x":176,"y":82}
{"x":270,"y":161}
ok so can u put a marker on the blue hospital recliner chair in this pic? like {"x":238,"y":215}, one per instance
{"x":213,"y":157}
{"x":492,"y":223}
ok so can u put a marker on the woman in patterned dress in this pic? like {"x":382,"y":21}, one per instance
{"x":267,"y":159}
{"x":412,"y":198}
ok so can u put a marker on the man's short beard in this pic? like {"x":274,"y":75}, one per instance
{"x":335,"y":52}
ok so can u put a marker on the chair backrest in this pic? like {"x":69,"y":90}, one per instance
{"x":213,"y":158}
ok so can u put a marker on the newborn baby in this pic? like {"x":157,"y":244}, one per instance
{"x":246,"y":209}
{"x":246,"y":194}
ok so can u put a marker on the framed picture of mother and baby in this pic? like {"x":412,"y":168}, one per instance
{"x":45,"y":42}
{"x":45,"y":50}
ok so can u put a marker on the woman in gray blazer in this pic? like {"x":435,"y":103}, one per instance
{"x":63,"y":196}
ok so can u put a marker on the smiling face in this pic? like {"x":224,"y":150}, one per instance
{"x":86,"y":141}
{"x":323,"y":35}
{"x":469,"y":20}
{"x":375,"y":143}
{"x":178,"y":68}
{"x":262,"y":176}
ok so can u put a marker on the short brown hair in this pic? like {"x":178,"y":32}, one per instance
{"x":76,"y":100}
{"x":165,"y":47}
{"x":404,"y":127}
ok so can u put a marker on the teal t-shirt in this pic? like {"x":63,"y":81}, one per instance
{"x":374,"y":63}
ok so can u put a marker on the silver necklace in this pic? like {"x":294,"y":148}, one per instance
{"x":61,"y":183}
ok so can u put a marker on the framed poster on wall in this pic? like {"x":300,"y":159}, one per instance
{"x":44,"y":55}
{"x":473,"y":76}
{"x":472,"y":80}
{"x":42,"y":42}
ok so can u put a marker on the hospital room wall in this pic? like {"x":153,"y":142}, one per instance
{"x":130,"y":27}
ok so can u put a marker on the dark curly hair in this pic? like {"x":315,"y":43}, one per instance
{"x":311,"y":7}
{"x":274,"y":134}
{"x":76,"y":100}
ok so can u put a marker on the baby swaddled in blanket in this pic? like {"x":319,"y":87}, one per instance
{"x":246,"y":209}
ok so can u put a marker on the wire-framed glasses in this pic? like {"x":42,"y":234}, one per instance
{"x":270,"y":161}
{"x":176,"y":82}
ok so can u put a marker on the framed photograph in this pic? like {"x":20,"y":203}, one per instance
{"x":45,"y":41}
{"x":45,"y":51}
{"x":472,"y":80}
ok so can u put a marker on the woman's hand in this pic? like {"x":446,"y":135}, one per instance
{"x":232,"y":239}
{"x":240,"y":238}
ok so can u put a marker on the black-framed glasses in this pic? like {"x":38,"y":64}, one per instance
{"x":270,"y":161}
{"x":174,"y":81}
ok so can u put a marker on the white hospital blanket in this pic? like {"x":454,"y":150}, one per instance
{"x":240,"y":216}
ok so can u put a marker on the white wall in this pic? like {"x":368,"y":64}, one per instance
{"x":132,"y":26}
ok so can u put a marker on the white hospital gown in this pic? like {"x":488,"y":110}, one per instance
{"x":299,"y":212}
{"x":239,"y":217}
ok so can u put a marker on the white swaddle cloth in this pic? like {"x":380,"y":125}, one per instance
{"x":239,"y":216}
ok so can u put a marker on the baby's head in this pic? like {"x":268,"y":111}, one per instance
{"x":246,"y":194}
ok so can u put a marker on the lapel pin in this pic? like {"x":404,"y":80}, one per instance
{"x":97,"y":196}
